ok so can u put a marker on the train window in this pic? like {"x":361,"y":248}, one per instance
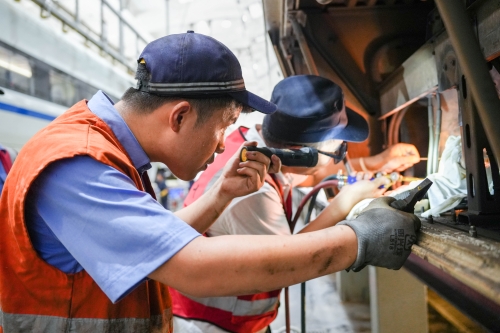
{"x":15,"y":71}
{"x":84,"y":91}
{"x":29,"y":75}
{"x":41,"y":78}
{"x":4,"y":64}
{"x":62,"y":90}
{"x":20,"y":73}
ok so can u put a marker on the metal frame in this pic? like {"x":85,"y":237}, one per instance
{"x":474,"y":66}
{"x":73,"y":20}
{"x":469,"y":301}
{"x":479,"y":112}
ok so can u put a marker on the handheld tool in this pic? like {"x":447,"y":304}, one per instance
{"x":393,"y":176}
{"x":406,"y":201}
{"x":303,"y":157}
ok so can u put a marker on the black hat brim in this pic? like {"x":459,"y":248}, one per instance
{"x":253,"y":101}
{"x":357,"y":129}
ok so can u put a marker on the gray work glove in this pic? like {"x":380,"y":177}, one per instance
{"x":385,"y":235}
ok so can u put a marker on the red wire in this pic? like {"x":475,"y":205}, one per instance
{"x":304,"y":200}
{"x":329,"y":183}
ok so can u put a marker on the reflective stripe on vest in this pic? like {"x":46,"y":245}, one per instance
{"x":33,"y":292}
{"x":239,"y":307}
{"x":242,"y":314}
{"x":25,"y":323}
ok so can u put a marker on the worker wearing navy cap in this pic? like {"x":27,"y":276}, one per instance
{"x":84,"y":245}
{"x":310,"y":113}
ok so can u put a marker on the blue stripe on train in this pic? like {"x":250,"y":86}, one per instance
{"x":26,"y":112}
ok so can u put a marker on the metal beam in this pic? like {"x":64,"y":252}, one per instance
{"x":474,"y":66}
{"x":466,"y":299}
{"x":334,"y":53}
{"x":77,"y":25}
{"x":304,"y":48}
{"x":121,"y":18}
{"x":350,"y":3}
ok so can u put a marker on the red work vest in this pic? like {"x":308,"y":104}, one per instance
{"x":242,"y":314}
{"x":37,"y":297}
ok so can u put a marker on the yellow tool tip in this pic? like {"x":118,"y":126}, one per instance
{"x":243,"y":155}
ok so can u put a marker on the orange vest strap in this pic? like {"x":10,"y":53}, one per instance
{"x":42,"y":291}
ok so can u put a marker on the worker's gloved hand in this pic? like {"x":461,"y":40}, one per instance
{"x":385,"y":235}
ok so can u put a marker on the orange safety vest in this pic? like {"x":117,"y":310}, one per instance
{"x":37,"y":297}
{"x":242,"y":314}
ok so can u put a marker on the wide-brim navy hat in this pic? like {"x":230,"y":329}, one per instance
{"x":312,"y":109}
{"x":195,"y":65}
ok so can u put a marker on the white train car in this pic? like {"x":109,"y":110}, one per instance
{"x":43,"y":71}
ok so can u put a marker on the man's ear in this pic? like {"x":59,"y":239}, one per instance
{"x":178,"y":115}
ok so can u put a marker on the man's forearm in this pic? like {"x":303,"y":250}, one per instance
{"x":203,"y":212}
{"x":368,"y":164}
{"x":335,"y":212}
{"x":239,"y":265}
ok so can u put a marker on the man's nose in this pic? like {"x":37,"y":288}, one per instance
{"x":221,"y":146}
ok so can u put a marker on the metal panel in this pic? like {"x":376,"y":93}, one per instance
{"x":466,"y":299}
{"x":416,"y":78}
{"x":488,"y":29}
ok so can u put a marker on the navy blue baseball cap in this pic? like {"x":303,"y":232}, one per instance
{"x":312,"y":109}
{"x":195,"y":65}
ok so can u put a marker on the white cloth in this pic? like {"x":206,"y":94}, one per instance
{"x":259,"y":213}
{"x":449,"y":183}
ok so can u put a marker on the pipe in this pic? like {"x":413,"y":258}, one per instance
{"x":475,"y":68}
{"x":287,"y":310}
{"x":287,"y":57}
{"x":303,"y":307}
{"x":315,"y":189}
{"x":430,"y":150}
{"x":397,"y":125}
{"x":437,"y":134}
{"x":304,"y":48}
{"x":121,"y":37}
{"x":327,"y":182}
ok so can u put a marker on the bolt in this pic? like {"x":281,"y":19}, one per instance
{"x":430,"y":219}
{"x":473,"y":231}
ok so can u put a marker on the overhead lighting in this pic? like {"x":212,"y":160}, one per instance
{"x":260,"y":39}
{"x":202,"y":27}
{"x":184,"y":1}
{"x":255,"y":10}
{"x":16,"y":69}
{"x":226,"y":24}
{"x":244,"y":18}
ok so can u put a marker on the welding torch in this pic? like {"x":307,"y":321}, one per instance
{"x":393,"y":177}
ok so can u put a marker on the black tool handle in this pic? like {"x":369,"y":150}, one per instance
{"x":303,"y":157}
{"x":406,"y":201}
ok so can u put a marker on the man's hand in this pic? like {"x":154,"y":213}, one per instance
{"x":398,"y":157}
{"x":385,"y":235}
{"x":242,"y":178}
{"x":351,"y":194}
